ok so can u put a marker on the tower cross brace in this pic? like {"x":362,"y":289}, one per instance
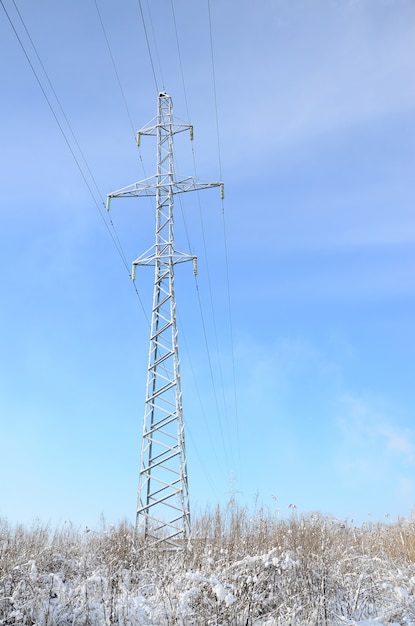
{"x":163,"y":510}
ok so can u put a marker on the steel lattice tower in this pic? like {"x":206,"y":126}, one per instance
{"x":163,"y":511}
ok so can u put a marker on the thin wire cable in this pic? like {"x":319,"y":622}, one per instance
{"x":180,"y":64}
{"x":57,"y":100}
{"x":117,"y":240}
{"x":117,"y":76}
{"x":224,"y":234}
{"x":210,"y":364}
{"x":206,"y":344}
{"x":220,"y":369}
{"x":212,"y":57}
{"x":148,"y":44}
{"x":155,"y":45}
{"x":203,"y":412}
{"x":52,"y":110}
{"x":113,"y":235}
{"x":115,"y":69}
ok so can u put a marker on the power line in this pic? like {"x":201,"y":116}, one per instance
{"x":155,"y":45}
{"x":115,"y":69}
{"x":57,"y":99}
{"x":228,"y":453}
{"x":51,"y":107}
{"x":86,"y":172}
{"x":112,"y":233}
{"x":224,"y":228}
{"x":180,"y":63}
{"x":212,"y":57}
{"x":210,"y":365}
{"x":148,"y":44}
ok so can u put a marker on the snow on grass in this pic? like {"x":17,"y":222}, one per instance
{"x":237,"y":570}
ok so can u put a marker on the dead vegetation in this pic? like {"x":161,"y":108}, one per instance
{"x":238,"y":568}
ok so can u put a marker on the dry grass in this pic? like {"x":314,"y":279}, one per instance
{"x":237,"y":568}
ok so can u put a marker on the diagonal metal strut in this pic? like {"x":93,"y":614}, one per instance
{"x":163,"y":511}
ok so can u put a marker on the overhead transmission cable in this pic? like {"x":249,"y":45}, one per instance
{"x":210,"y":291}
{"x":122,"y":92}
{"x":55,"y":95}
{"x":117,"y":76}
{"x":224,"y":231}
{"x":148,"y":44}
{"x":180,"y":64}
{"x":212,"y":58}
{"x":115,"y":70}
{"x":206,"y":422}
{"x":155,"y":45}
{"x":47,"y":98}
{"x":113,"y":234}
{"x":127,"y":107}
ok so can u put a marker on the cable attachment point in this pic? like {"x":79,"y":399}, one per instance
{"x":137,"y":139}
{"x":107,"y":206}
{"x":191,"y":132}
{"x":133,"y":271}
{"x":222,"y":191}
{"x":195,"y":265}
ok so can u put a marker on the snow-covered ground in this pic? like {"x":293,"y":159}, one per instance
{"x":311,"y":571}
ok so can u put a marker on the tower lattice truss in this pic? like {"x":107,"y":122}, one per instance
{"x":163,"y":511}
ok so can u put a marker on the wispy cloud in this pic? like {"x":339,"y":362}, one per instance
{"x":367,"y":425}
{"x":348,"y":63}
{"x":399,"y":441}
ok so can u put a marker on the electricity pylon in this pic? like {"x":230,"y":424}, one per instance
{"x":163,"y":512}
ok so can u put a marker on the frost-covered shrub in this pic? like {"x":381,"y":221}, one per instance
{"x":237,"y":569}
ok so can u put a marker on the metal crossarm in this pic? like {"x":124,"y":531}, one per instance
{"x":163,"y":510}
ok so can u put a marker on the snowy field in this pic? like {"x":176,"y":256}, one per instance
{"x":237,"y":570}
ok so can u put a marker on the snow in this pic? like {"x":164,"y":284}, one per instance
{"x":105,"y":580}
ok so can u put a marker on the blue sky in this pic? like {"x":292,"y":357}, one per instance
{"x":309,"y":397}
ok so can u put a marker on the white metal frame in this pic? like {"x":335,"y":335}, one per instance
{"x":163,"y":512}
